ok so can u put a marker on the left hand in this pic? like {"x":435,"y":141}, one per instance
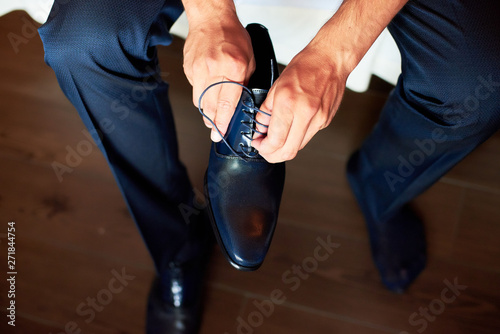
{"x":301,"y":102}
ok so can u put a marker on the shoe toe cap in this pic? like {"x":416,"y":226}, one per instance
{"x":248,"y":238}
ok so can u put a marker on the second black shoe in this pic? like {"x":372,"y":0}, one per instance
{"x":242,"y":188}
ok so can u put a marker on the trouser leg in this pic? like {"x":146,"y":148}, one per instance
{"x":445,"y":104}
{"x":104,"y":57}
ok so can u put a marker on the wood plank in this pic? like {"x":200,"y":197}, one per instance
{"x":286,"y":319}
{"x":346,"y":285}
{"x":317,"y":195}
{"x":439,"y":208}
{"x":28,"y":326}
{"x":477,"y":236}
{"x":81,"y":213}
{"x":52,"y":283}
{"x":221,"y":310}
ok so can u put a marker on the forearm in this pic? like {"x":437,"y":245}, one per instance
{"x":348,"y":35}
{"x":200,"y":11}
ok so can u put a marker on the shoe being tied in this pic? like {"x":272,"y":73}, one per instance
{"x":243,"y":190}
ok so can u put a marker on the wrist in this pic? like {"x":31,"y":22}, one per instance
{"x":209,"y":11}
{"x":348,"y":35}
{"x":338,"y":58}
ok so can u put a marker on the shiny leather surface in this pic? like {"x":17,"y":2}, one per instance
{"x":244,"y":194}
{"x":176,"y":297}
{"x":175,"y":303}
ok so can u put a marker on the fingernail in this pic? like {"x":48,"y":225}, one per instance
{"x":215,"y":136}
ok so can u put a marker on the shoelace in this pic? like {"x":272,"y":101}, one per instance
{"x":249,"y":125}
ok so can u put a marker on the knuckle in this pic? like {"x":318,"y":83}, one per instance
{"x":224,"y":105}
{"x":221,"y":123}
{"x":289,"y":155}
{"x":233,"y":66}
{"x":320,"y":122}
{"x":211,"y":60}
{"x":311,"y":108}
{"x":237,"y":67}
{"x":275,"y":142}
{"x":237,"y":59}
{"x":194,"y":67}
{"x":325,"y":123}
{"x":285,"y":95}
{"x":324,"y":120}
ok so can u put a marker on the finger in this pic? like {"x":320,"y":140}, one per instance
{"x":267,"y":107}
{"x":227,"y":100}
{"x":292,"y":145}
{"x":208,"y":101}
{"x":278,"y":131}
{"x":311,"y":132}
{"x":275,"y":147}
{"x":317,"y":123}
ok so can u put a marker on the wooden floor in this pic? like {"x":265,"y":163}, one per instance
{"x":74,"y":236}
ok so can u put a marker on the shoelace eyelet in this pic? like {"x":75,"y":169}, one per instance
{"x":251,"y":111}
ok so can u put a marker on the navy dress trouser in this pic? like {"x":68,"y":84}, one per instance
{"x":104,"y":56}
{"x":445,"y":104}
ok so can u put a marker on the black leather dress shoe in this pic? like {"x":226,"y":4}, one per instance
{"x":175,"y":301}
{"x":244,"y":190}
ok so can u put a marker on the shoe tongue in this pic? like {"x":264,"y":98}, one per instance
{"x":262,"y":80}
{"x":266,"y":69}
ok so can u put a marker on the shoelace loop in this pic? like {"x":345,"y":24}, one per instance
{"x":249,"y":125}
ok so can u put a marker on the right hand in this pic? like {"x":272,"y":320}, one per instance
{"x":218,"y":49}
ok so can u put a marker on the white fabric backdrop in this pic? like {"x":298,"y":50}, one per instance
{"x":291,"y":24}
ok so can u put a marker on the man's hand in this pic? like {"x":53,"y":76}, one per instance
{"x":306,"y":96}
{"x":302,"y":101}
{"x":218,"y":48}
{"x":308,"y":93}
